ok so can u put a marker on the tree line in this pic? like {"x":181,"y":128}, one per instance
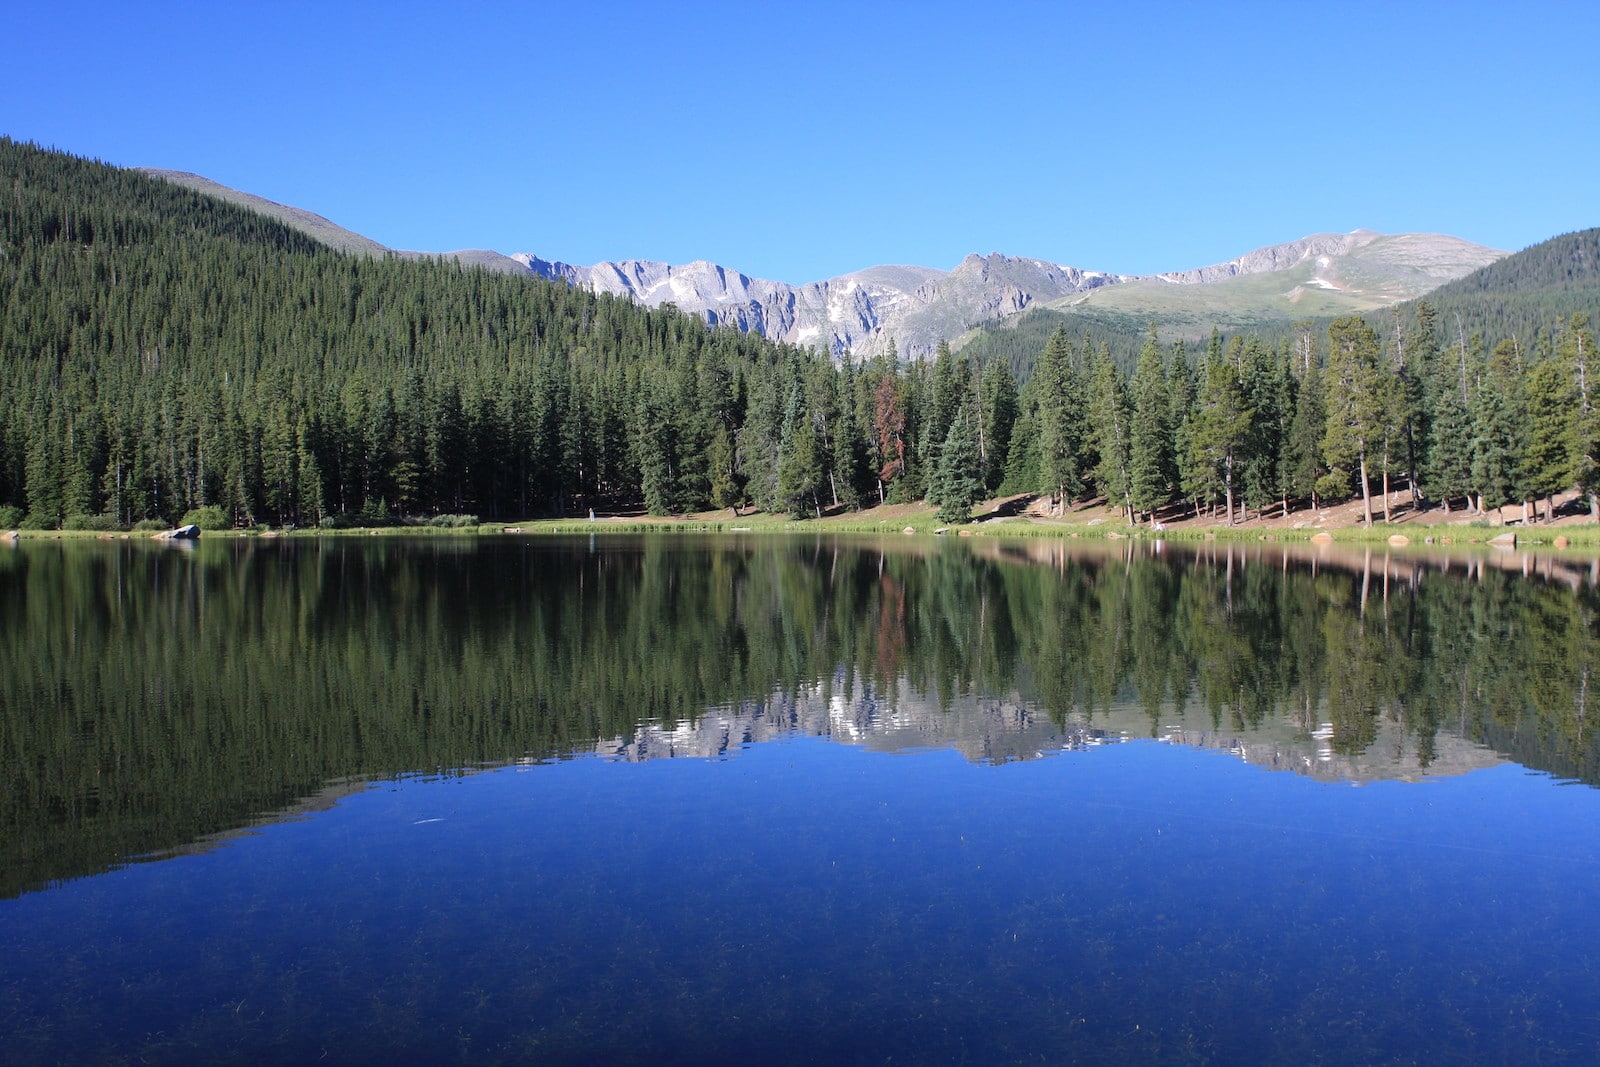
{"x":1251,"y":426}
{"x":163,"y":353}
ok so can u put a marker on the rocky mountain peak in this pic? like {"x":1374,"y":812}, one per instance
{"x":861,"y":311}
{"x":919,"y":306}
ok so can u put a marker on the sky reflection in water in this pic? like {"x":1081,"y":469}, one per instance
{"x":805,"y":900}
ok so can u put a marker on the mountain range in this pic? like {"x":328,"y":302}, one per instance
{"x":1323,"y":274}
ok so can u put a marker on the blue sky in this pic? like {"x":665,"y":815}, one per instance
{"x":804,"y":140}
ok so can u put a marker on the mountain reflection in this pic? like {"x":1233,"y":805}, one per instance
{"x":152,"y":699}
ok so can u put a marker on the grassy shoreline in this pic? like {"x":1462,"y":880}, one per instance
{"x":1094,"y":524}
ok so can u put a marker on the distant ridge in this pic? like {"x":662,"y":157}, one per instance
{"x":859,"y":312}
{"x":307,"y":222}
{"x":1320,"y":276}
{"x":1524,"y":293}
{"x":916,"y":307}
{"x":1323,"y":274}
{"x":1568,"y":262}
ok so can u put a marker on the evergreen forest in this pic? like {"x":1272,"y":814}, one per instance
{"x":166,"y":356}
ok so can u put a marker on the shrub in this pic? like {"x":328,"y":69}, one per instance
{"x":102,"y":523}
{"x":208,"y":517}
{"x":150,"y":525}
{"x":350,"y":521}
{"x":10,"y":516}
{"x":377,"y":516}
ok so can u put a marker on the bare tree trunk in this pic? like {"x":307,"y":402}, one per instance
{"x":1227,"y":485}
{"x":1366,"y":491}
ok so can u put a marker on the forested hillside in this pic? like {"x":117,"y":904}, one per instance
{"x":1021,"y":339}
{"x":163,"y":353}
{"x":161,"y":350}
{"x":1525,"y":293}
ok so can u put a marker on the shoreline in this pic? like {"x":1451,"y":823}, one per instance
{"x":1085,"y":522}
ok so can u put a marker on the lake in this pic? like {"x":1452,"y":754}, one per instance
{"x":694,"y":799}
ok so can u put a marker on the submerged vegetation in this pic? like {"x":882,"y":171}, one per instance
{"x":163,"y":352}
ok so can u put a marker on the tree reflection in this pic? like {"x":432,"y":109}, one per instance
{"x":151,"y":698}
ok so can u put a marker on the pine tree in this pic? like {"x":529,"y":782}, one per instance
{"x":308,"y":508}
{"x":948,"y":394}
{"x":1306,"y":427}
{"x":81,"y":457}
{"x":726,"y":488}
{"x":1417,"y":352}
{"x":654,"y":451}
{"x":1023,"y":465}
{"x":800,"y":472}
{"x":800,"y":464}
{"x":1550,"y":460}
{"x":1218,"y":430}
{"x":1356,"y":407}
{"x":1151,"y":468}
{"x":42,"y":488}
{"x":889,"y":433}
{"x":1059,"y":397}
{"x":914,"y":399}
{"x":1265,"y":393}
{"x":1497,"y":428}
{"x":1575,"y":350}
{"x":1112,"y":416}
{"x":850,"y":444}
{"x":1447,"y":467}
{"x":999,"y":415}
{"x":818,"y":379}
{"x":955,"y":485}
{"x":1180,"y":404}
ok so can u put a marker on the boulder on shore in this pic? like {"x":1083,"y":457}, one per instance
{"x":182,"y":533}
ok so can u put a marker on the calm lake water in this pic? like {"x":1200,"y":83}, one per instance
{"x":695,"y":800}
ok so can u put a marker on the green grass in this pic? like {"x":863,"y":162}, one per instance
{"x":921,"y":522}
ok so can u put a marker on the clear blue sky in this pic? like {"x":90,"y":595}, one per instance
{"x":802,"y":140}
